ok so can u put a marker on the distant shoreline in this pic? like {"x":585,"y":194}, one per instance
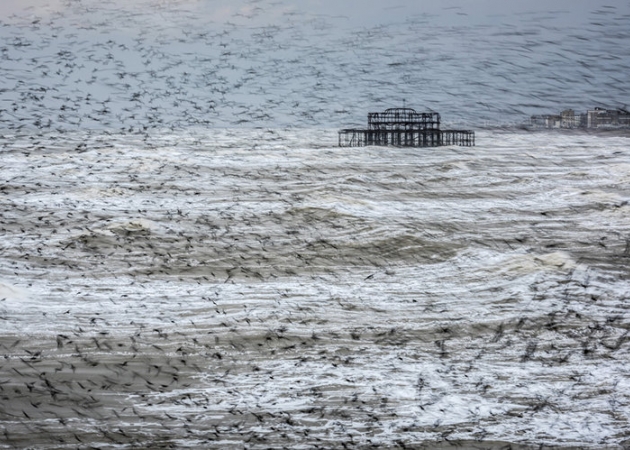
{"x":620,"y":132}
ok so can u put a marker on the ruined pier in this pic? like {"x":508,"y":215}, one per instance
{"x":404,"y":127}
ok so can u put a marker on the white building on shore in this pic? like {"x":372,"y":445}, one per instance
{"x":594,"y":118}
{"x":607,"y":118}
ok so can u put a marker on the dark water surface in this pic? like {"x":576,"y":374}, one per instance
{"x":113,"y":65}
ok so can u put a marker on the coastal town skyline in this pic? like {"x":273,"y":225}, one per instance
{"x":597,"y":117}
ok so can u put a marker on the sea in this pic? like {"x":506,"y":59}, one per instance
{"x":190,"y":265}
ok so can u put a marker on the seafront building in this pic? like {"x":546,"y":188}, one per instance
{"x":593,"y":118}
{"x":602,"y":118}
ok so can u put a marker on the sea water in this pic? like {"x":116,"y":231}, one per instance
{"x":264,"y":288}
{"x":188,"y":260}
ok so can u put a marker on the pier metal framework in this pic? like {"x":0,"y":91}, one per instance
{"x":404,"y":127}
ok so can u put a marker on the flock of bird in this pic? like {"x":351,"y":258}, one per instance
{"x":175,"y":64}
{"x":178,"y":270}
{"x":170,"y":292}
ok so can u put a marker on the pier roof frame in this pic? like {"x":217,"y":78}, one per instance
{"x":404,"y":127}
{"x":403,"y":119}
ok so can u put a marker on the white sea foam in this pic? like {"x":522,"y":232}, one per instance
{"x":387,"y":294}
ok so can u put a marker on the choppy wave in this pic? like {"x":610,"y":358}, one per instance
{"x":189,"y":291}
{"x":177,"y":64}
